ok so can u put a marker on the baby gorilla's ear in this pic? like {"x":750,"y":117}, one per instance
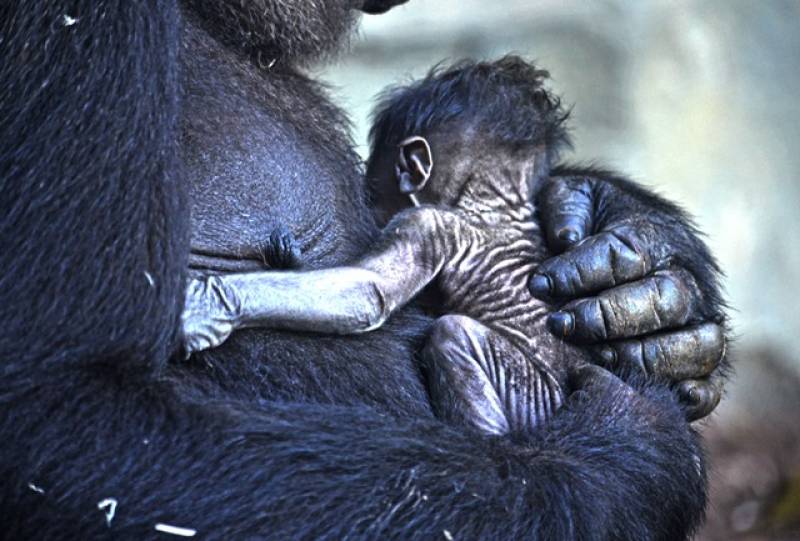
{"x":414,"y":164}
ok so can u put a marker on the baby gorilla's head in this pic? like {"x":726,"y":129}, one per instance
{"x":492,"y":128}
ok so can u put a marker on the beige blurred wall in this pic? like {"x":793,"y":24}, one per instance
{"x":696,"y":98}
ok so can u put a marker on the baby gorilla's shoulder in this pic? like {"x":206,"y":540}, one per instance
{"x":425,"y":220}
{"x":433,"y":234}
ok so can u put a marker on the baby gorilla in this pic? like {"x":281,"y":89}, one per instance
{"x":467,"y":226}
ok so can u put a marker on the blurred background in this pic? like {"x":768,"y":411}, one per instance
{"x":698,"y":99}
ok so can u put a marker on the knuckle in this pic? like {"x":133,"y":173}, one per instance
{"x":566,"y":193}
{"x":574,"y":278}
{"x":549,"y":266}
{"x":625,"y":311}
{"x":626,"y":258}
{"x":671,"y":298}
{"x":633,"y":355}
{"x":596,"y":316}
{"x":710,"y":345}
{"x":712,"y":337}
{"x":654,"y":356}
{"x":563,"y":273}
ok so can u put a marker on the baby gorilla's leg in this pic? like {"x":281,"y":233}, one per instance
{"x":476,"y":377}
{"x":457,"y":358}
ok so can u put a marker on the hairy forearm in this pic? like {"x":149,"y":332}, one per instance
{"x":640,"y":460}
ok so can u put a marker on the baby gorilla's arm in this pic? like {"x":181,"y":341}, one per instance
{"x":342,"y":300}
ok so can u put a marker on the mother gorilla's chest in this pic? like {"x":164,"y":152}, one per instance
{"x":262,"y":149}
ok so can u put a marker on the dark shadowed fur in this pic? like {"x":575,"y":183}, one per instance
{"x":505,"y":101}
{"x":296,"y":31}
{"x":276,"y":436}
{"x":93,"y":228}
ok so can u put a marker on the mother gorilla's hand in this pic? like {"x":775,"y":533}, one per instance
{"x":635,"y":283}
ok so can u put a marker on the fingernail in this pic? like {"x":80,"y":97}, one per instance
{"x":608,"y":356}
{"x":540,"y":285}
{"x":569,"y":236}
{"x":561,"y":323}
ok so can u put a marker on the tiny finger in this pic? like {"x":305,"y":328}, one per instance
{"x":589,"y":376}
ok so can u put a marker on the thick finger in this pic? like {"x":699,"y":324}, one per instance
{"x":694,"y":352}
{"x":701,"y":396}
{"x":567,"y":208}
{"x":659,"y":302}
{"x":589,"y":376}
{"x":590,"y":380}
{"x":600,"y":262}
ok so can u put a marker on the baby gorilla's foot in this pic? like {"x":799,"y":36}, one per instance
{"x":282,"y":251}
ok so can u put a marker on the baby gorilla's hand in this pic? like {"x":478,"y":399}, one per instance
{"x":282,"y":251}
{"x":210,"y":314}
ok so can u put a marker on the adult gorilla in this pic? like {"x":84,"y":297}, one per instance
{"x":279,"y":435}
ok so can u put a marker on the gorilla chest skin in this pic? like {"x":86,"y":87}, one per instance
{"x":263,"y":147}
{"x":252,"y":140}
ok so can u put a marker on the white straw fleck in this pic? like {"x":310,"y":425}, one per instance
{"x":35,"y":488}
{"x":175,"y":530}
{"x":109,"y":505}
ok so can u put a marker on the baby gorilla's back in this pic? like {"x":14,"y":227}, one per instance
{"x":491,"y":362}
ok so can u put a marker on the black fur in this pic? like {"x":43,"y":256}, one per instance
{"x":283,"y":31}
{"x":505,"y":101}
{"x":274,"y":435}
{"x":380,"y":6}
{"x":93,"y":228}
